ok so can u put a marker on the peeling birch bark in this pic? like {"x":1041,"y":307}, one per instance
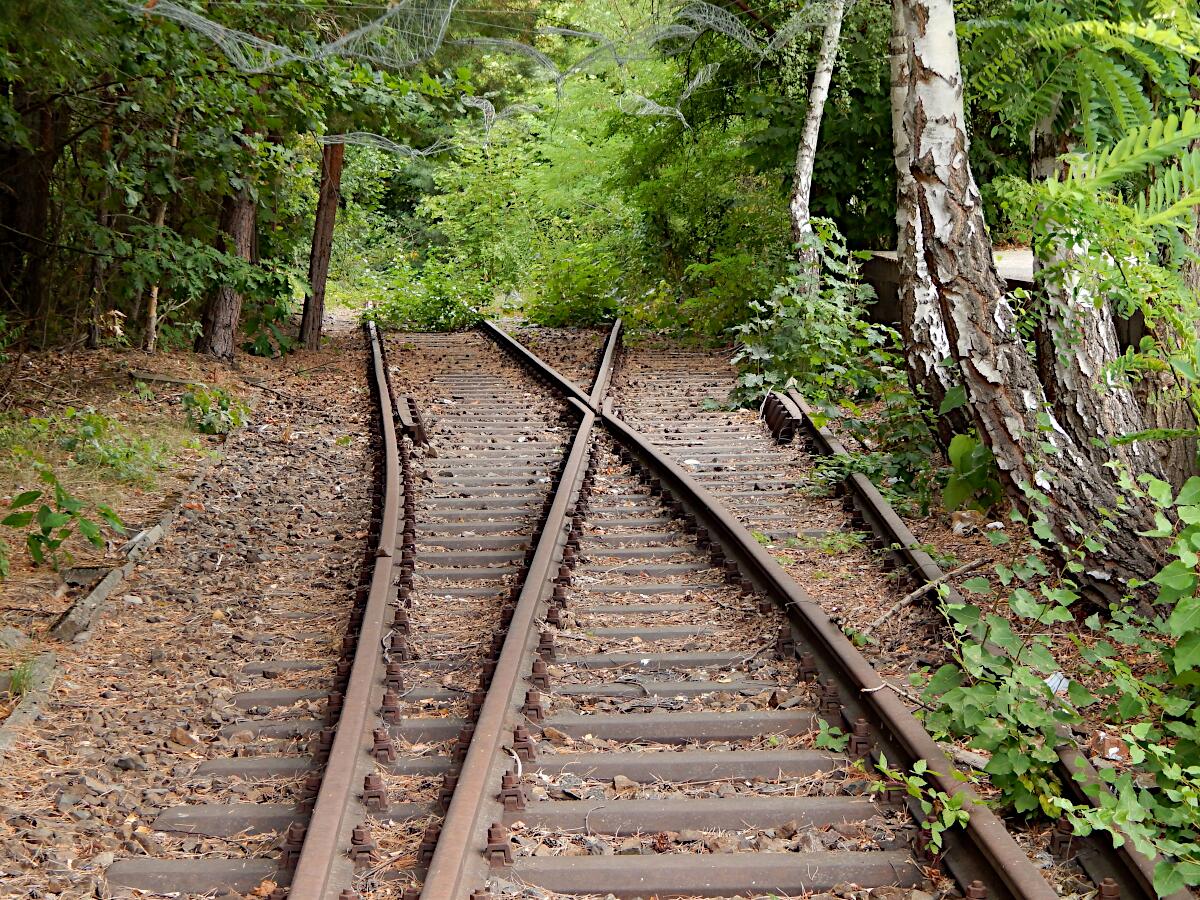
{"x":1000,"y":376}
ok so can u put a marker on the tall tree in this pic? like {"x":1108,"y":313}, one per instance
{"x":332,"y":157}
{"x":806,"y":153}
{"x":927,"y":347}
{"x":219,"y":323}
{"x":1009,"y":406}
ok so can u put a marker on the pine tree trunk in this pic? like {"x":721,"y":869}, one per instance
{"x":219,"y":324}
{"x":806,"y":153}
{"x":999,"y":374}
{"x":332,"y":156}
{"x":926,"y":346}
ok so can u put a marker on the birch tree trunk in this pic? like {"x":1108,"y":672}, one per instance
{"x":1030,"y":446}
{"x":926,"y":346}
{"x":806,"y":153}
{"x":220,"y":321}
{"x":332,"y":156}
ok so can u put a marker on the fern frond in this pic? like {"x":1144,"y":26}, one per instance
{"x":1141,"y":148}
{"x":1172,"y":195}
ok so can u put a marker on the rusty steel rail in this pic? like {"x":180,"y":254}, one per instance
{"x":323,"y":866}
{"x":1123,"y":868}
{"x":458,"y":862}
{"x":981,"y":852}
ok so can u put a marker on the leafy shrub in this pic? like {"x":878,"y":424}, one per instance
{"x":48,"y":527}
{"x":1138,"y":671}
{"x":94,"y":439}
{"x":214,"y":410}
{"x":725,"y":291}
{"x":579,"y":287}
{"x":440,"y":296}
{"x":812,"y":333}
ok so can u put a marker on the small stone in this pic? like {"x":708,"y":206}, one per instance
{"x":631,"y":846}
{"x":554,"y":736}
{"x":690,"y":836}
{"x":726,"y":790}
{"x":622,"y":783}
{"x":244,"y":736}
{"x":597,"y":847}
{"x":183,"y":737}
{"x":788,"y":829}
{"x":103,"y":860}
{"x":12,"y":638}
{"x":722,"y":843}
{"x":130,"y":763}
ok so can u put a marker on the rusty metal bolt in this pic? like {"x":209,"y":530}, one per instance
{"x":323,"y":745}
{"x":765,"y":604}
{"x":785,"y":643}
{"x":293,"y":841}
{"x":362,"y":848}
{"x":564,"y":576}
{"x":399,"y":647}
{"x":860,"y":739}
{"x":498,"y":850}
{"x":733,"y":575}
{"x":716,"y":556}
{"x":475,"y":704}
{"x":831,"y":699}
{"x":488,"y":669}
{"x":1109,"y":889}
{"x":808,"y":667}
{"x":506,"y":614}
{"x":976,"y":890}
{"x":446,"y":791}
{"x":512,"y":794}
{"x":554,"y":616}
{"x":463,"y":742}
{"x":394,"y":679}
{"x":390,"y":710}
{"x":545,"y":647}
{"x":1062,"y":839}
{"x":533,"y":709}
{"x":481,"y":895}
{"x":540,"y":678}
{"x":343,"y":669}
{"x":894,"y":792}
{"x":374,"y":793}
{"x":309,"y":790}
{"x":401,"y":622}
{"x":524,"y":745}
{"x":569,"y":556}
{"x":382,"y":748}
{"x":429,"y":840}
{"x":333,"y":707}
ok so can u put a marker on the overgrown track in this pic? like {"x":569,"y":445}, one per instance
{"x":574,"y":671}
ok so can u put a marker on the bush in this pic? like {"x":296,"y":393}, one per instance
{"x":214,"y":410}
{"x":578,"y":288}
{"x":439,"y":296}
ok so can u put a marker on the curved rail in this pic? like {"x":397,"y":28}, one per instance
{"x":322,"y":857}
{"x":983,"y":851}
{"x":1128,"y":869}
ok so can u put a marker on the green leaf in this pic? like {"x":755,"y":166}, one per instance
{"x":24,"y":499}
{"x":960,"y":446}
{"x":977,"y":585}
{"x":17,"y":520}
{"x":944,"y":679}
{"x":955,"y":398}
{"x":91,"y":531}
{"x":1189,"y":494}
{"x":1185,"y":617}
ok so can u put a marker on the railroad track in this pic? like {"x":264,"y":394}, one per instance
{"x":569,"y":651}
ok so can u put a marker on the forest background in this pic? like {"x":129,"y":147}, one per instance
{"x":201,"y":176}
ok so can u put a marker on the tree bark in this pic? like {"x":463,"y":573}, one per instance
{"x":927,"y":348}
{"x":159,"y":219}
{"x":219,"y":324}
{"x":25,"y":202}
{"x":332,"y":156}
{"x":1031,"y":447}
{"x":99,"y":262}
{"x":806,"y":153}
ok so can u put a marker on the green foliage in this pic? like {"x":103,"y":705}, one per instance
{"x":55,"y":519}
{"x":95,"y":439}
{"x":214,"y":410}
{"x":579,"y":287}
{"x":830,"y":737}
{"x":20,"y":678}
{"x":1139,"y":678}
{"x":439,"y":296}
{"x":940,"y":811}
{"x":812,"y":333}
{"x":972,"y":480}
